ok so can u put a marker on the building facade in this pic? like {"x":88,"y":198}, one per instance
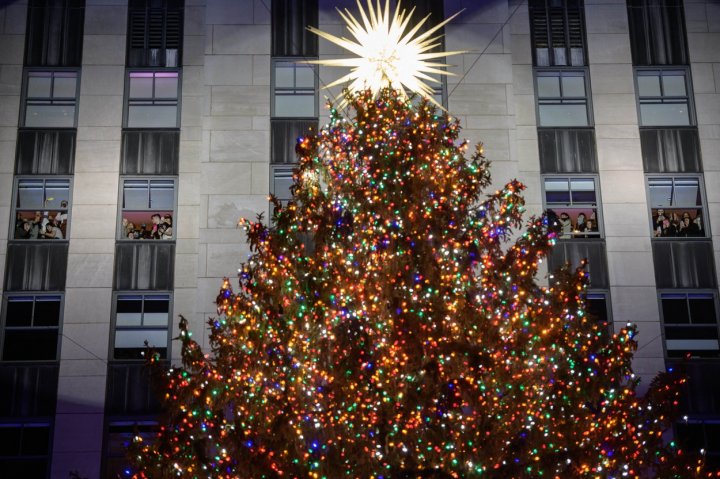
{"x":135,"y":133}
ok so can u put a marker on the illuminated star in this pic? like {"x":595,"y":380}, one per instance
{"x":388,"y":52}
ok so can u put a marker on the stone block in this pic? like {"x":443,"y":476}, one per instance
{"x":525,"y":110}
{"x":101,"y":133}
{"x":624,"y":220}
{"x":623,"y":187}
{"x":616,"y":131}
{"x":15,"y":18}
{"x":93,"y":222}
{"x":224,"y":211}
{"x":90,"y":271}
{"x":492,"y":68}
{"x":521,"y":50}
{"x":631,"y":269}
{"x":608,"y":48}
{"x":260,"y":179}
{"x":6,"y":186}
{"x":186,"y":268}
{"x":13,"y":49}
{"x":189,"y":189}
{"x":95,"y":156}
{"x":190,"y":156}
{"x":612,"y":78}
{"x":10,"y":79}
{"x":82,"y":368}
{"x":9,"y":111}
{"x":619,"y":154}
{"x":615,"y":109}
{"x":229,"y":70}
{"x":695,"y":17}
{"x":225,"y":259}
{"x":261,"y":12}
{"x":239,"y":146}
{"x":226,"y":12}
{"x":606,"y":18}
{"x":186,"y":224}
{"x":105,"y":20}
{"x":103,"y":110}
{"x":102,"y":80}
{"x":241,"y":39}
{"x":95,"y":189}
{"x":473,"y":38}
{"x":195,"y":20}
{"x":193,"y":50}
{"x":87,"y":305}
{"x":86,"y":341}
{"x":81,"y":394}
{"x":707,"y":107}
{"x":226,"y":178}
{"x":523,"y":80}
{"x":478,"y":99}
{"x":703,"y":47}
{"x":261,"y":70}
{"x":77,"y":435}
{"x":104,"y":49}
{"x":713,"y":16}
{"x":234,"y":100}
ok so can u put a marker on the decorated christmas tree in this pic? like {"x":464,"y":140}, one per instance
{"x":390,"y":323}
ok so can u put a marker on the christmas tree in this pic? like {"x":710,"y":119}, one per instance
{"x":389,"y":324}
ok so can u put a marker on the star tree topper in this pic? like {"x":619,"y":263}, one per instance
{"x":388,"y":54}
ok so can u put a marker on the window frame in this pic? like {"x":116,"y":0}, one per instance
{"x":14,"y":207}
{"x":114,"y":326}
{"x":703,"y":207}
{"x":27,"y":71}
{"x":49,"y":424}
{"x":121,"y":204}
{"x":562,"y":100}
{"x":273,"y":89}
{"x":3,"y":324}
{"x":280,"y":168}
{"x":690,"y":95}
{"x":598,"y":201}
{"x":127,"y":100}
{"x":146,"y":10}
{"x":546,"y":7}
{"x":608,"y":303}
{"x":685,"y":291}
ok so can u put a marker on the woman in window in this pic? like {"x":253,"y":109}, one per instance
{"x":167,"y":233}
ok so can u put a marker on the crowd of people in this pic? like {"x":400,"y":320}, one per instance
{"x":42,"y":225}
{"x":161,"y":227}
{"x":676,"y":224}
{"x":581,"y":226}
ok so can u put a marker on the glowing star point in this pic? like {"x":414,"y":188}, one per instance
{"x":390,"y":52}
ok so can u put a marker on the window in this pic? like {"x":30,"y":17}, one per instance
{"x":119,"y":437}
{"x":32,"y":388}
{"x":42,"y":206}
{"x":295,"y":90}
{"x":676,"y":206}
{"x":25,"y":449}
{"x":575,"y":203}
{"x":140,"y":318}
{"x":153,"y":152}
{"x":36,"y":267}
{"x":50,"y":99}
{"x":690,"y":323}
{"x":144,"y":265}
{"x":696,"y":435}
{"x":657,"y":32}
{"x":562,"y":98}
{"x":663,"y":97}
{"x":148,"y":209}
{"x":31,"y":327}
{"x":152,"y":99}
{"x":282,"y":181}
{"x":670,"y":150}
{"x":55,"y":33}
{"x":154,"y":33}
{"x":45,"y":152}
{"x":558,"y":31}
{"x":567,"y":150}
{"x":290,"y":36}
{"x":598,"y":306}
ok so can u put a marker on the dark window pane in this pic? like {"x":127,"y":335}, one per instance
{"x":47,"y":311}
{"x":150,"y":152}
{"x":36,"y":267}
{"x":19,"y":311}
{"x":567,"y":150}
{"x":35,"y":440}
{"x":156,"y":305}
{"x":675,"y":309}
{"x":155,"y":33}
{"x":670,"y":150}
{"x":10,"y":440}
{"x":30,"y":345}
{"x":41,"y":152}
{"x":597,"y":307}
{"x":657,"y":33}
{"x":55,"y":32}
{"x":702,"y":308}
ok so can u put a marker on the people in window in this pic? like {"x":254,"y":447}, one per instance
{"x":677,"y":223}
{"x":22,"y":231}
{"x":167,"y":233}
{"x":565,"y":225}
{"x":581,"y":223}
{"x":160,"y":227}
{"x":52,"y":231}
